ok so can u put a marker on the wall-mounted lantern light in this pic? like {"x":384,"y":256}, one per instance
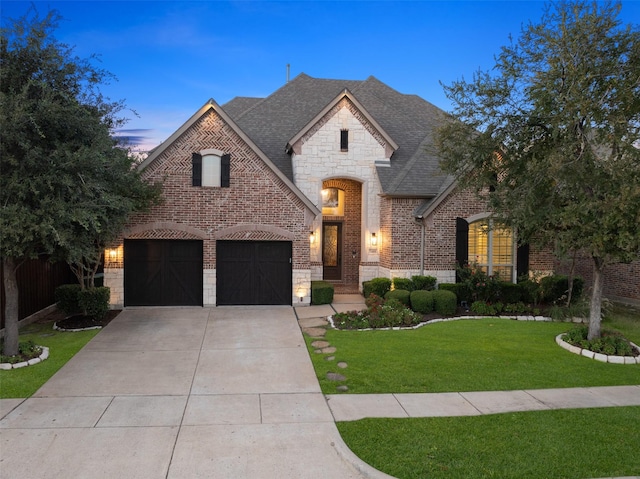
{"x":312,"y":237}
{"x":374,"y":239}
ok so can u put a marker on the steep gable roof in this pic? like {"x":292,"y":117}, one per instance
{"x":408,"y":120}
{"x":212,"y":105}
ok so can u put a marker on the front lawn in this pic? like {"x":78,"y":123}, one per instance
{"x":465,"y":355}
{"x":579,"y":443}
{"x":23,"y":382}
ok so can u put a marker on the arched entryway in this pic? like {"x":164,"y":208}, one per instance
{"x":341,"y":233}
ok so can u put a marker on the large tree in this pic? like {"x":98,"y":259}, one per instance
{"x":66,"y":186}
{"x":551,"y":136}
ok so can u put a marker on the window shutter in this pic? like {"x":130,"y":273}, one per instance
{"x":522,"y":265}
{"x":462,"y":242}
{"x":225,"y":170}
{"x":196,"y":169}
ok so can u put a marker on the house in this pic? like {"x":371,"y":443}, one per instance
{"x":323,"y":179}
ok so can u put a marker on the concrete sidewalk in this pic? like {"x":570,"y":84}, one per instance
{"x":351,"y":407}
{"x":181,"y":393}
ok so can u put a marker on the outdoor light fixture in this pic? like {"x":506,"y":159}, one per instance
{"x":312,"y":237}
{"x":374,"y":239}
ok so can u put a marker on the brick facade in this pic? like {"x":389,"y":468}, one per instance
{"x":258,"y":205}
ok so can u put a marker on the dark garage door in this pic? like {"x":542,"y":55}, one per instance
{"x":163,"y":273}
{"x":253,"y":272}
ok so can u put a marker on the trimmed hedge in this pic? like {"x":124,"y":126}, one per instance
{"x":403,"y":283}
{"x":66,"y":296}
{"x":445,"y":302}
{"x":510,"y":292}
{"x":401,"y":295}
{"x":321,"y":292}
{"x":422,"y":301}
{"x":94,"y":302}
{"x":554,"y":287}
{"x":427,"y":283}
{"x":377,"y":286}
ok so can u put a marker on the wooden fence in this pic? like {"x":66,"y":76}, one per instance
{"x":37,"y":281}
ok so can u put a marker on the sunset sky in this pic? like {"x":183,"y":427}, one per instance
{"x":171,"y":57}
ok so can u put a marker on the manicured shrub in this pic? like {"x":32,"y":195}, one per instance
{"x":483,"y":309}
{"x":379,"y":314}
{"x":94,"y":302}
{"x":401,"y":295}
{"x":66,"y":297}
{"x":459,"y":289}
{"x":321,"y":292}
{"x":530,"y":291}
{"x":403,"y":283}
{"x":555,"y":288}
{"x":422,"y":301}
{"x":517,"y":308}
{"x":377,"y":286}
{"x":427,"y":283}
{"x":509,"y":292}
{"x":445,"y":302}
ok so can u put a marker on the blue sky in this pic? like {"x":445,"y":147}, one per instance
{"x":171,"y":57}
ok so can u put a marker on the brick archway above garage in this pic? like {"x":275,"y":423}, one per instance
{"x":254,"y":232}
{"x":164,"y":230}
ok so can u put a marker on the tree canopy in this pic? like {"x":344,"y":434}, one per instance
{"x":551,"y":135}
{"x":67,"y":186}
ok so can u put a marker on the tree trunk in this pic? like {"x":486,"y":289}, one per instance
{"x":10,"y":307}
{"x":595,"y":315}
{"x":571,"y":272}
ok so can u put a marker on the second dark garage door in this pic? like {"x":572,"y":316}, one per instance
{"x":253,"y":272}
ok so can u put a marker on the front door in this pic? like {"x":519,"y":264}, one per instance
{"x":332,"y":251}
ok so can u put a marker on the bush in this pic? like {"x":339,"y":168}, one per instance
{"x":517,"y":308}
{"x":379,"y":314}
{"x":530,"y":291}
{"x":555,"y":288}
{"x":321,"y":292}
{"x":456,"y":288}
{"x":509,"y":292}
{"x":403,"y":283}
{"x":401,"y":295}
{"x":483,"y":309}
{"x":66,"y":297}
{"x":377,"y":286}
{"x":94,"y":302}
{"x":422,"y":301}
{"x":427,"y":283}
{"x":444,"y":302}
{"x":610,"y":343}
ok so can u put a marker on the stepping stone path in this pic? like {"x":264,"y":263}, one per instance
{"x":316,"y":328}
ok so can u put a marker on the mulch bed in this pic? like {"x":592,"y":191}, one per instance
{"x":79,"y":321}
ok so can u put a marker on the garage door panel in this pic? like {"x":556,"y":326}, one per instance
{"x":253,"y":272}
{"x":163,"y":273}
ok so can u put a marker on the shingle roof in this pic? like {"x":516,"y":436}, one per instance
{"x":408,"y":119}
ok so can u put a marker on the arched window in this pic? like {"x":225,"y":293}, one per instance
{"x":491,"y":248}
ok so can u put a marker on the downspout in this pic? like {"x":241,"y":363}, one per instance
{"x":419,"y":218}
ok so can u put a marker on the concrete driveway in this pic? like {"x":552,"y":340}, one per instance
{"x":181,"y":393}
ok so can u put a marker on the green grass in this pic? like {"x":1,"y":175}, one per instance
{"x":625,"y":319}
{"x":466,"y":355}
{"x":578,"y":443}
{"x":23,"y":382}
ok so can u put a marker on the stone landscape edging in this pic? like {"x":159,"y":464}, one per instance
{"x":76,"y":330}
{"x":44,"y":355}
{"x":563,"y":344}
{"x":604,"y":358}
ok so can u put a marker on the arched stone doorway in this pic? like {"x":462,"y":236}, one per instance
{"x":341,"y":233}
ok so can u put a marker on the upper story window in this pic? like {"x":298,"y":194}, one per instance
{"x":211,"y":168}
{"x":344,"y":140}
